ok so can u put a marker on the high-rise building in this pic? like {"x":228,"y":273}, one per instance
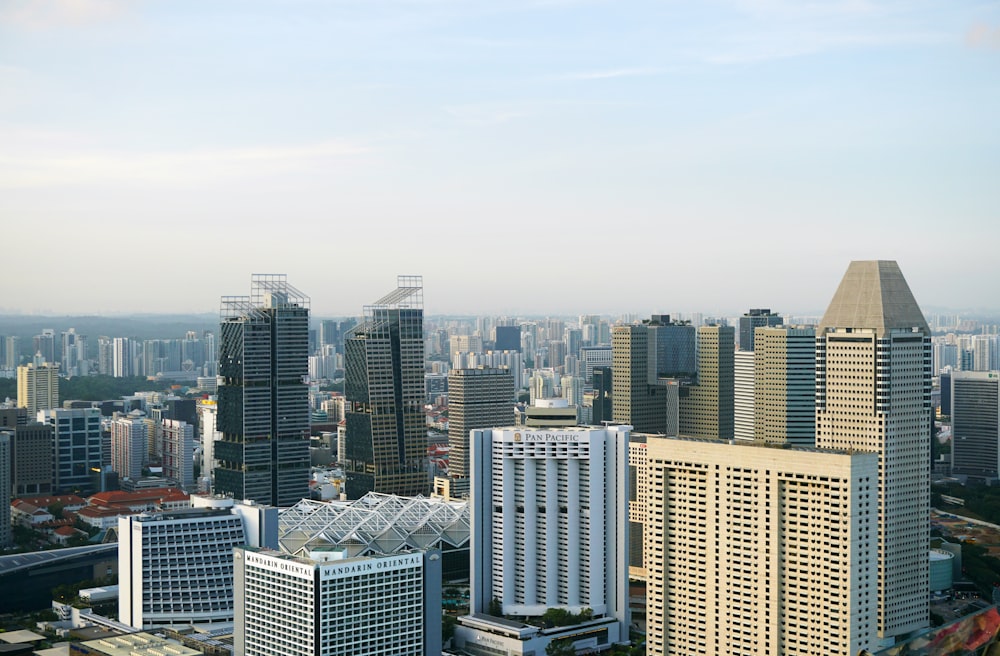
{"x":38,"y":386}
{"x":743,"y":395}
{"x":706,"y":409}
{"x":873,"y":393}
{"x":477,"y":398}
{"x":508,"y":338}
{"x":176,"y":567}
{"x":759,"y":551}
{"x":603,"y":404}
{"x":263,"y":397}
{"x":178,"y":452}
{"x":325,"y":602}
{"x":638,"y":400}
{"x":756,"y":318}
{"x":12,"y":354}
{"x":384,"y":386}
{"x":975,"y":423}
{"x":673,"y":347}
{"x":77,"y":446}
{"x":6,"y":438}
{"x":45,"y":344}
{"x":550,"y":531}
{"x":129,"y":445}
{"x":785,"y":385}
{"x":31,"y":459}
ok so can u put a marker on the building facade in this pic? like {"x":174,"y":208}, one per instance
{"x":32,"y":450}
{"x":785,"y":385}
{"x":38,"y":386}
{"x":78,"y":446}
{"x":386,"y":446}
{"x":873,"y":393}
{"x":550,"y":521}
{"x":6,"y":441}
{"x":706,"y":408}
{"x":477,"y":398}
{"x":756,"y":318}
{"x":263,"y":397}
{"x":328,"y":603}
{"x":758,"y":551}
{"x":178,"y":452}
{"x":637,"y":400}
{"x":975,"y":423}
{"x":177,"y":567}
{"x":129,"y":445}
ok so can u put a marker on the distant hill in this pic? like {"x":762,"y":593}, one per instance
{"x":142,"y":326}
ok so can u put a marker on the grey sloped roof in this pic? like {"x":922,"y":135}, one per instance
{"x":873,"y":294}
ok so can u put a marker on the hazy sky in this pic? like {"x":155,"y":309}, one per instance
{"x":525,"y":156}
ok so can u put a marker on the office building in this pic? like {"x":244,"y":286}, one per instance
{"x":873,"y":393}
{"x":384,"y":382}
{"x":38,"y":386}
{"x":638,"y":400}
{"x":508,"y":338}
{"x":706,"y":409}
{"x":756,"y":318}
{"x":602,"y":404}
{"x":329,"y":603}
{"x":759,"y":551}
{"x":31,"y":459}
{"x":45,"y":345}
{"x":785,"y":385}
{"x":263,"y":397}
{"x":975,"y":423}
{"x":78,"y":445}
{"x":129,"y":445}
{"x":477,"y":398}
{"x":177,"y":458}
{"x":550,"y":530}
{"x":176,"y":567}
{"x":592,"y":357}
{"x":6,"y":440}
{"x":12,"y":354}
{"x":673,"y":347}
{"x":743,"y":395}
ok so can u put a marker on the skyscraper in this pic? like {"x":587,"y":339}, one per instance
{"x":31,"y":459}
{"x":38,"y":386}
{"x":477,"y":398}
{"x":178,"y":451}
{"x":785,"y":385}
{"x":550,"y":530}
{"x":77,"y":443}
{"x":758,"y":551}
{"x":756,"y":318}
{"x":6,"y":440}
{"x":975,"y":423}
{"x":873,"y":393}
{"x":637,"y":400}
{"x":129,"y":445}
{"x":384,"y":386}
{"x":263,"y":397}
{"x":706,"y":409}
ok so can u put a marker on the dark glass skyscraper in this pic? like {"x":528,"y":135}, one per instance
{"x":386,"y":440}
{"x":263,"y":397}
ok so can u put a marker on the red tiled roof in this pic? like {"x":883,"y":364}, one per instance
{"x":119,"y":498}
{"x":64,"y":499}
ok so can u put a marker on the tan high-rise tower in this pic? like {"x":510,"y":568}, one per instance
{"x":38,"y":387}
{"x":707,"y":408}
{"x":873,"y":386}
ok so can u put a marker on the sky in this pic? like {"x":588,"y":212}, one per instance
{"x":523,"y":156}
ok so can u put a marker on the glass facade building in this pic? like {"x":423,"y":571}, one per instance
{"x":263,"y":398}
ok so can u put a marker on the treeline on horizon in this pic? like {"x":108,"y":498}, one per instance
{"x":92,"y":388}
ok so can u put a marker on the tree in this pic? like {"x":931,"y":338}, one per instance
{"x":495,"y":608}
{"x":560,"y":648}
{"x":448,"y":623}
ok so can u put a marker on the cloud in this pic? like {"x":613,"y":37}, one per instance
{"x":61,"y":160}
{"x":44,"y":14}
{"x":612,"y":73}
{"x":983,"y":36}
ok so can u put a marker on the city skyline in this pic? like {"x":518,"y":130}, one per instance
{"x":729,"y":139}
